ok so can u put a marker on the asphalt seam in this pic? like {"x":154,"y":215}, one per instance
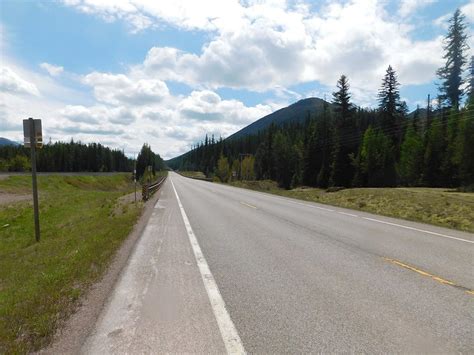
{"x":229,"y":334}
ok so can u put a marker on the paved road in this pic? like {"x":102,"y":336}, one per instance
{"x":294,"y":277}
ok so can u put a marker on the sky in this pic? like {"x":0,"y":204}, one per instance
{"x":168,"y":72}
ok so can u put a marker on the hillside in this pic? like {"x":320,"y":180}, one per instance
{"x":295,"y":112}
{"x":5,"y":141}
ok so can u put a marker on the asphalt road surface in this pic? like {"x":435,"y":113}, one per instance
{"x":221,"y":269}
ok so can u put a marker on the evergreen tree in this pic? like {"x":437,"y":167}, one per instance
{"x":145,"y":158}
{"x":375,"y":162}
{"x":342,"y":139}
{"x":470,"y":87}
{"x":434,"y":151}
{"x":390,"y":106}
{"x":341,"y":99}
{"x":455,"y":45}
{"x":465,"y":147}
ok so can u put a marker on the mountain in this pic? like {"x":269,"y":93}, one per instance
{"x":295,"y":112}
{"x":5,"y":141}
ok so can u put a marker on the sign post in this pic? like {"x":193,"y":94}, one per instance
{"x":33,"y":139}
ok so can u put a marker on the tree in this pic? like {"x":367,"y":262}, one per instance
{"x":341,"y":139}
{"x":375,"y":162}
{"x":145,"y":158}
{"x":248,"y":171}
{"x":390,"y":106}
{"x":411,"y":158}
{"x":470,"y":87}
{"x":223,"y":169}
{"x":434,"y":151}
{"x":341,"y":99}
{"x":464,"y":154}
{"x":450,"y":74}
{"x":389,"y":94}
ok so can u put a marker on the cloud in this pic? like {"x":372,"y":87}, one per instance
{"x":52,"y":70}
{"x":408,"y":7}
{"x":119,"y":88}
{"x":468,"y":11}
{"x":12,"y":83}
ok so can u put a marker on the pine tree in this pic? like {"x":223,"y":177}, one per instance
{"x":450,"y":75}
{"x":375,"y":162}
{"x":464,"y":146}
{"x":341,"y":139}
{"x":389,"y":93}
{"x":434,"y":152}
{"x":390,"y":106}
{"x":341,"y":99}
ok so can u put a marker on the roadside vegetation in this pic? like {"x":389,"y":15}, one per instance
{"x":83,"y":222}
{"x":438,"y":206}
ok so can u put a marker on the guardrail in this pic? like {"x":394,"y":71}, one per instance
{"x":149,"y":189}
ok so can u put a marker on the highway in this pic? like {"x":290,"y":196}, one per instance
{"x":220,"y":269}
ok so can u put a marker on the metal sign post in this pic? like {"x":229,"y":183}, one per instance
{"x":33,"y":139}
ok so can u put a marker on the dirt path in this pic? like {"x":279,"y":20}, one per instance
{"x":8,"y":198}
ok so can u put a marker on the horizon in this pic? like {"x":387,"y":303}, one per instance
{"x":128,"y":73}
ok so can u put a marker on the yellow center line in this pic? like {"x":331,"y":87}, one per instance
{"x":246,"y":204}
{"x":427,"y":274}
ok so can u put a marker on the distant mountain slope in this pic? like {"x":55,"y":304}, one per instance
{"x":5,"y":141}
{"x":295,"y":112}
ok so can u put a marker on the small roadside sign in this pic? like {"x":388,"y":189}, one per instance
{"x":33,"y":138}
{"x":37,"y":133}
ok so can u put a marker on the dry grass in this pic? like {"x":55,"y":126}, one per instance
{"x":436,"y":206}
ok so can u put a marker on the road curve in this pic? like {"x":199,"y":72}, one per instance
{"x":294,"y":277}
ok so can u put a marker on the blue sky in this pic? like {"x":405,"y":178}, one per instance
{"x":168,"y":72}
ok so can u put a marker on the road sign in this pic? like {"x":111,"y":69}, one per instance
{"x":37,"y":133}
{"x":34,"y":139}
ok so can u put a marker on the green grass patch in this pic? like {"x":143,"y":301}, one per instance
{"x":436,"y":206}
{"x":40,"y":283}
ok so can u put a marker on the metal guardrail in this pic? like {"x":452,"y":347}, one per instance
{"x":149,"y":189}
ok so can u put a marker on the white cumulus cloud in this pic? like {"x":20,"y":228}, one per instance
{"x":12,"y":83}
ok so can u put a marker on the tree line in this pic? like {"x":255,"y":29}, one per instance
{"x":349,"y":146}
{"x":66,"y":157}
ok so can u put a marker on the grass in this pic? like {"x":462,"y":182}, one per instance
{"x":435,"y":206}
{"x":82,"y":225}
{"x":193,"y":174}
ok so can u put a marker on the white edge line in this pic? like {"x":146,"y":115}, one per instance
{"x":229,"y":334}
{"x":419,"y":230}
{"x":348,"y":214}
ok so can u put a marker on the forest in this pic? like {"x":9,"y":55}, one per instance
{"x":349,"y":146}
{"x":65,"y":157}
{"x":77,"y":157}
